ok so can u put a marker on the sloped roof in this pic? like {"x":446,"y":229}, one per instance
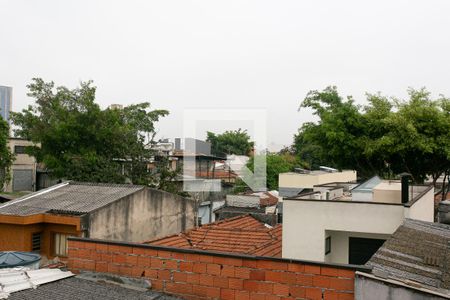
{"x":70,"y":197}
{"x":76,"y":288}
{"x":242,"y":234}
{"x":19,"y":279}
{"x":417,"y":254}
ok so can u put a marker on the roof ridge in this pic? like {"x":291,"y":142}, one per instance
{"x":230,"y":219}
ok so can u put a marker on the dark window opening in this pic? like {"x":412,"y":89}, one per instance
{"x":327,"y":245}
{"x":36,"y":241}
{"x":362,"y":249}
{"x":19,"y":149}
{"x":279,"y":218}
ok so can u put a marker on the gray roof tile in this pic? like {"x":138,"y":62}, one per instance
{"x":418,"y":251}
{"x":70,"y":197}
{"x":81,"y":289}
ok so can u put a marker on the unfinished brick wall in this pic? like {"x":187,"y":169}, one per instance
{"x":202,"y":275}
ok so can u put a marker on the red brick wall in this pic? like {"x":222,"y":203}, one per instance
{"x":197,"y":275}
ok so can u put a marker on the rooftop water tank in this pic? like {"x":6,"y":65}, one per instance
{"x":11,"y":259}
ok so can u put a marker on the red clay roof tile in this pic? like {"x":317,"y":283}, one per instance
{"x":242,"y":234}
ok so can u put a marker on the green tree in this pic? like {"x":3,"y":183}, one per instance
{"x":386,"y":137}
{"x":6,"y":157}
{"x":276,"y":163}
{"x":79,"y":141}
{"x":337,"y":139}
{"x":230,"y":142}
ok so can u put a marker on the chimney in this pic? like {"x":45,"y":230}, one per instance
{"x":405,"y":187}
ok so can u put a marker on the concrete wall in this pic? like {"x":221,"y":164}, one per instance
{"x":296,"y":180}
{"x":242,"y":200}
{"x":305,"y":224}
{"x":21,"y":162}
{"x":142,"y":216}
{"x":387,"y":192}
{"x":362,"y":196}
{"x":422,"y":209}
{"x":204,"y":211}
{"x":371,"y":289}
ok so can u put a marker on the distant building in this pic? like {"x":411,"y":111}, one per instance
{"x":23,"y":169}
{"x":116,"y":106}
{"x":332,"y":225}
{"x":412,"y":264}
{"x":293,"y":183}
{"x":5,"y":102}
{"x":261,"y":206}
{"x":42,"y":221}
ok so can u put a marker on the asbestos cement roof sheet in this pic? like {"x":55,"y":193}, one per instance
{"x":74,"y":198}
{"x":20,"y":279}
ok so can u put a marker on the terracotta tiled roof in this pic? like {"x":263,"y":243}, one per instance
{"x":242,"y":234}
{"x":267,"y":199}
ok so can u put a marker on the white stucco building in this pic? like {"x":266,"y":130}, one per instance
{"x":331,"y":225}
{"x":292,"y":183}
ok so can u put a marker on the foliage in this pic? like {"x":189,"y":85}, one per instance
{"x":230,"y":142}
{"x":386,"y":137}
{"x":276,"y":163}
{"x":6,"y":157}
{"x":80,"y":141}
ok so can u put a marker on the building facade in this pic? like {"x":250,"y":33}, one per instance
{"x":5,"y":102}
{"x":42,"y":221}
{"x":23,"y":169}
{"x":329,"y":225}
{"x":292,"y":183}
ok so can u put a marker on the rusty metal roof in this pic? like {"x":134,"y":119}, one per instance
{"x":74,"y":198}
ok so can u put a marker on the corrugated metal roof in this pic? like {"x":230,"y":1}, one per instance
{"x":19,"y":279}
{"x":69,"y":197}
{"x":417,"y":253}
{"x":242,"y":234}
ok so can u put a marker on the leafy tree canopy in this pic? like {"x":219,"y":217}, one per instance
{"x":6,"y":157}
{"x":276,"y":163}
{"x":80,"y":141}
{"x":386,"y":137}
{"x":230,"y":142}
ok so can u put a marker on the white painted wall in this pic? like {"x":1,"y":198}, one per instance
{"x":296,"y":180}
{"x":305,"y":224}
{"x":422,"y":209}
{"x":362,"y":196}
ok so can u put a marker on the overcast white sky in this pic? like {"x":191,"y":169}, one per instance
{"x":226,"y":54}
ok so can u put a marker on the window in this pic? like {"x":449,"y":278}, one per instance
{"x":60,"y":244}
{"x":19,"y":149}
{"x":198,"y":221}
{"x":280,"y":218}
{"x":327,"y":245}
{"x":36,"y":241}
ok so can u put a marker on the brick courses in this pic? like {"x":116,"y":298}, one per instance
{"x":193,"y":274}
